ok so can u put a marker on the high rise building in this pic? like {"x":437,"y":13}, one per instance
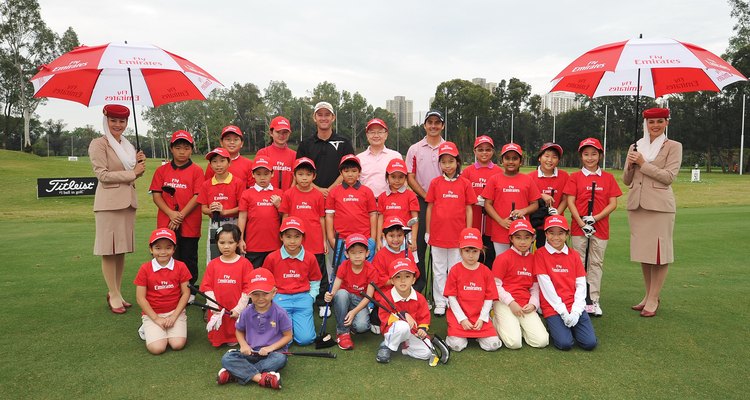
{"x":559,"y":102}
{"x":402,"y":109}
{"x":483,"y":83}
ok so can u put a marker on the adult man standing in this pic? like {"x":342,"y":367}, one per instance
{"x":325,"y":148}
{"x":375,"y":159}
{"x":422,"y":166}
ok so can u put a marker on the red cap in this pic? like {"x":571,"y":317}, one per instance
{"x":520,"y":225}
{"x":448,"y":148}
{"x":162,"y":233}
{"x":116,"y":111}
{"x":181,"y":135}
{"x":470,"y":237}
{"x":550,"y":145}
{"x":395,"y":221}
{"x":218,"y":151}
{"x":396,"y":165}
{"x":292,"y":223}
{"x":350,"y":157}
{"x":376,"y":121}
{"x":511,"y":147}
{"x":556,"y":220}
{"x":302,"y":161}
{"x":593,"y":142}
{"x":231,"y":129}
{"x":656,"y":113}
{"x":403,"y":264}
{"x":355,"y":238}
{"x":261,"y":162}
{"x":483,"y":139}
{"x":280,"y":123}
{"x":261,"y":280}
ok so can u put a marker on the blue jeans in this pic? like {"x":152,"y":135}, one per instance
{"x":244,"y":368}
{"x":299,"y":306}
{"x":343,"y":302}
{"x":564,"y":338}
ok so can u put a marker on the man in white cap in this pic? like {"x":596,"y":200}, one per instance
{"x":325,"y":148}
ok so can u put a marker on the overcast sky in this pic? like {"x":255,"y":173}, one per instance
{"x":379,"y":48}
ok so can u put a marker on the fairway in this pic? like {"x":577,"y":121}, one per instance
{"x":59,"y":340}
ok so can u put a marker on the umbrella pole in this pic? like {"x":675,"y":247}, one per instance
{"x":637,"y":111}
{"x":135,"y":119}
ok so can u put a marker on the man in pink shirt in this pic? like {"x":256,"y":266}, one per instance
{"x":375,"y":159}
{"x":422,"y":167}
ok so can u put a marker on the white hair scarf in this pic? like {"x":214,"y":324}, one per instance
{"x":124,"y":149}
{"x":648,"y":148}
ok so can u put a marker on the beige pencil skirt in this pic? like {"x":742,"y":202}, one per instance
{"x":115,"y":232}
{"x":651,"y":236}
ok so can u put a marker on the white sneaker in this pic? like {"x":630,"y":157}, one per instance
{"x":439,"y":311}
{"x":589,"y":308}
{"x":322,"y":311}
{"x":375,"y":329}
{"x":597,"y":309}
{"x":142,"y":332}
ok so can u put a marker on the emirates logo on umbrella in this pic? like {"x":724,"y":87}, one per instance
{"x":73,"y":65}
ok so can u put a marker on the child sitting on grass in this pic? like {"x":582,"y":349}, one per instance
{"x":264,"y":332}
{"x":398,"y":333}
{"x":162,"y":293}
{"x":352,"y":277}
{"x":562,"y":281}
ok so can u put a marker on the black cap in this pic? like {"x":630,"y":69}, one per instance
{"x":434,"y":113}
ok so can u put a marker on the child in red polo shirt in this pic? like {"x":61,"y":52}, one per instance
{"x":226,"y":280}
{"x":591,"y":227}
{"x":259,"y":213}
{"x":397,"y":201}
{"x":219,"y":197}
{"x":509,"y":196}
{"x":231,"y":141}
{"x":406,"y":335}
{"x":162,"y":293}
{"x":278,"y":153}
{"x":515,"y":316}
{"x":297,"y":279}
{"x":394,"y":234}
{"x":174,"y":189}
{"x":449,"y":200}
{"x":562,"y":281}
{"x":551,"y":182}
{"x":307,"y":203}
{"x":350,"y":207}
{"x":352,"y":277}
{"x":470,"y":289}
{"x":479,"y":174}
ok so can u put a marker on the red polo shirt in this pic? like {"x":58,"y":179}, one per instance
{"x":186,"y":181}
{"x":356,"y":282}
{"x":504,"y":191}
{"x":262,"y":227}
{"x":562,"y":269}
{"x":479,"y":175}
{"x":517,"y":273}
{"x":449,"y":200}
{"x":163,"y":286}
{"x":292,"y":274}
{"x":309,"y":207}
{"x":398,"y":204}
{"x":282,"y":160}
{"x":579,"y":185}
{"x":228,"y":193}
{"x":352,"y":206}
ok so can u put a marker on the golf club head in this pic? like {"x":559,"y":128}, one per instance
{"x":442,"y":349}
{"x":168,"y":190}
{"x":412,"y":222}
{"x":325,"y":341}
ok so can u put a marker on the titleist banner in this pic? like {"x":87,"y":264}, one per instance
{"x":52,"y":187}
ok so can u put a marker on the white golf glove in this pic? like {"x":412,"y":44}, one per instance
{"x":588,"y":230}
{"x":552,"y":211}
{"x":480,"y":201}
{"x":565,"y":317}
{"x":215,"y":322}
{"x":572,"y":319}
{"x":427,"y":238}
{"x":588,"y":219}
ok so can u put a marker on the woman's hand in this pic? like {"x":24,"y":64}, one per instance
{"x":140,"y":156}
{"x":139,"y":169}
{"x":635,"y":157}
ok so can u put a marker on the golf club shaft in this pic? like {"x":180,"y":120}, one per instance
{"x":204,"y":306}
{"x":207,"y":297}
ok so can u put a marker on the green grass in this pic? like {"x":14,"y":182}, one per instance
{"x":59,"y":341}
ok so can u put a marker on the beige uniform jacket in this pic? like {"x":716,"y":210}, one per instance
{"x":116,"y":188}
{"x":651,"y":183}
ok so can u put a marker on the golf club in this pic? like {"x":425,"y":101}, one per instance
{"x":588,"y":242}
{"x":440,"y":351}
{"x":319,"y":354}
{"x":204,"y":306}
{"x":413,"y":221}
{"x":324,"y":339}
{"x":207,"y":297}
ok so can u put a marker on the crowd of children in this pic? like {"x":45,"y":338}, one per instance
{"x":496,"y":237}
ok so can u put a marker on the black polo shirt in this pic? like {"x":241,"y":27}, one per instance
{"x":326,"y":154}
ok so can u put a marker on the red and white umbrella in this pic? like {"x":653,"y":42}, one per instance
{"x":648,"y":67}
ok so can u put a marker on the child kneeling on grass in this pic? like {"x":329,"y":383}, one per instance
{"x":352,"y":277}
{"x":562,"y":281}
{"x":162,"y":293}
{"x":470,"y":289}
{"x":264,"y":331}
{"x":398,"y":333}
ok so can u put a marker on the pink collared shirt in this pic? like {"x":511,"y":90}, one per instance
{"x":373,"y":168}
{"x":422,"y":160}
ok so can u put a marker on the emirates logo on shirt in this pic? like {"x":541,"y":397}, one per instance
{"x":450,"y":195}
{"x":524,"y":272}
{"x":473,"y":287}
{"x":350,"y":198}
{"x":227,"y":280}
{"x":559,"y":269}
{"x":393,"y":206}
{"x":511,"y":189}
{"x":164,"y":285}
{"x":292,"y":274}
{"x":304,"y":206}
{"x":264,"y":203}
{"x":176,"y":184}
{"x":220,"y":197}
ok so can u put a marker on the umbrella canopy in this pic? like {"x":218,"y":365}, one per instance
{"x":123,"y":73}
{"x":648,"y":67}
